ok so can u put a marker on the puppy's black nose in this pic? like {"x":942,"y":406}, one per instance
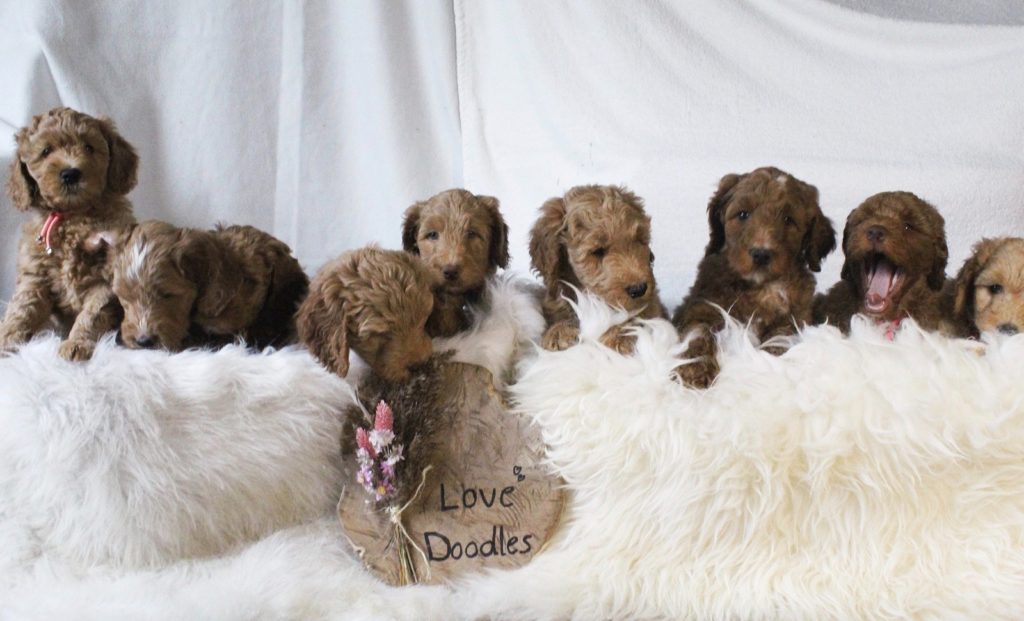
{"x":760,"y":256}
{"x":145,"y":341}
{"x":1009,"y":328}
{"x":70,"y":175}
{"x":450,"y":272}
{"x":876,"y":233}
{"x":637,"y":290}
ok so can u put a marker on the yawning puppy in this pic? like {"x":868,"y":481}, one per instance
{"x":989,"y":289}
{"x":595,"y":238}
{"x":464,"y":239}
{"x":895,"y":267}
{"x":768,"y":235}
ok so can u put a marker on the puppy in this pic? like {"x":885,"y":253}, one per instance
{"x":768,"y":234}
{"x":895,"y":267}
{"x":72,"y":171}
{"x":988,"y":292}
{"x":375,"y":301}
{"x":595,"y":238}
{"x":185,"y":287}
{"x":463,"y":238}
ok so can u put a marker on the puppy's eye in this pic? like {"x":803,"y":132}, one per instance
{"x":599,"y":252}
{"x":908,"y":227}
{"x":163,"y":295}
{"x":743,"y":215}
{"x":995,"y":289}
{"x":789,"y":221}
{"x":89,"y":149}
{"x":46,"y":151}
{"x":471,"y":234}
{"x":432,"y":235}
{"x":652,"y":256}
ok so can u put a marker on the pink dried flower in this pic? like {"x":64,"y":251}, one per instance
{"x":383,"y":419}
{"x":363,"y":442}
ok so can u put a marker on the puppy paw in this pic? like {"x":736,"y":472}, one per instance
{"x":700,"y":373}
{"x":775,"y":350}
{"x":619,"y":339}
{"x":560,"y":336}
{"x":76,"y":350}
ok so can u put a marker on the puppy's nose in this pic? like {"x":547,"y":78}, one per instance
{"x":876,"y":234}
{"x":1009,"y":328}
{"x":637,"y":290}
{"x":145,"y":341}
{"x":761,"y":256}
{"x":451,"y":272}
{"x":70,"y":175}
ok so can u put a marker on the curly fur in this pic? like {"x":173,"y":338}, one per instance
{"x":463,"y":238}
{"x":905,"y":234}
{"x":598,"y":239}
{"x":68,"y":287}
{"x":774,"y":217}
{"x":375,"y":301}
{"x":186,"y":287}
{"x":988,"y":291}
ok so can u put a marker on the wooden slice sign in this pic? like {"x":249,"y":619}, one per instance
{"x":484,"y":501}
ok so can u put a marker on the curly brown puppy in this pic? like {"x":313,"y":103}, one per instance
{"x":895,"y":267}
{"x":988,"y":292}
{"x":768,"y":234}
{"x":73,"y":172}
{"x":375,"y":301}
{"x":464,"y":239}
{"x":184,"y":287}
{"x":595,"y":238}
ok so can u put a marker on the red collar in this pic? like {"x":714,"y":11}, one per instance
{"x":51,"y":224}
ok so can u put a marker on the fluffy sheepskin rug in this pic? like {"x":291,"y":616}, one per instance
{"x":848,"y":479}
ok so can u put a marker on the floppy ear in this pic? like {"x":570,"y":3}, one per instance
{"x":199,"y":258}
{"x":937,"y":276}
{"x":322,"y":325}
{"x":547,"y":254}
{"x":847,"y":271}
{"x":124,"y":162}
{"x":716,"y":212}
{"x":21,"y":187}
{"x":499,"y":232}
{"x":820,"y":238}
{"x":411,"y":228}
{"x":963,"y":300}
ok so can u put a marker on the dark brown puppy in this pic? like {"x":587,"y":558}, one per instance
{"x":988,"y":292}
{"x":768,"y":234}
{"x":463,"y":238}
{"x":595,"y":238}
{"x":73,"y":172}
{"x":184,"y":287}
{"x":895,"y":267}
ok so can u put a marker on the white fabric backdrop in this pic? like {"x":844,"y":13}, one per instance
{"x":322,"y":121}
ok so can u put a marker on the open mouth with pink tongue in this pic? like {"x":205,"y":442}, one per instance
{"x":881,"y":280}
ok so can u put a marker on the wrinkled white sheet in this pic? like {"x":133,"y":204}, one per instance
{"x":322,"y":121}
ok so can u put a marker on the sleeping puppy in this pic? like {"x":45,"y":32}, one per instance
{"x":464,"y":239}
{"x":988,"y":292}
{"x":895,"y":247}
{"x":596,"y":238}
{"x":768,"y":234}
{"x":375,"y":301}
{"x":184,"y":287}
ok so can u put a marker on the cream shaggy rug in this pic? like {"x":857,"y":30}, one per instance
{"x":848,"y":479}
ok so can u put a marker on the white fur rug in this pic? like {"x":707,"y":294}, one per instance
{"x":848,"y":479}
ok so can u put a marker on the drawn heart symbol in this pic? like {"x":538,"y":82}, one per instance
{"x":518,"y":471}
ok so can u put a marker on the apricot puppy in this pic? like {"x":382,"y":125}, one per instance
{"x":376,"y":302}
{"x":464,"y":239}
{"x":989,"y":288}
{"x":895,"y":265}
{"x":185,"y":287}
{"x":768,"y":236}
{"x":72,"y":171}
{"x":595,"y":238}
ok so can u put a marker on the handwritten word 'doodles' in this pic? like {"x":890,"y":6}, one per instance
{"x":441,"y":548}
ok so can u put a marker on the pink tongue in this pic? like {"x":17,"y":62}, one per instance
{"x":879,"y":284}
